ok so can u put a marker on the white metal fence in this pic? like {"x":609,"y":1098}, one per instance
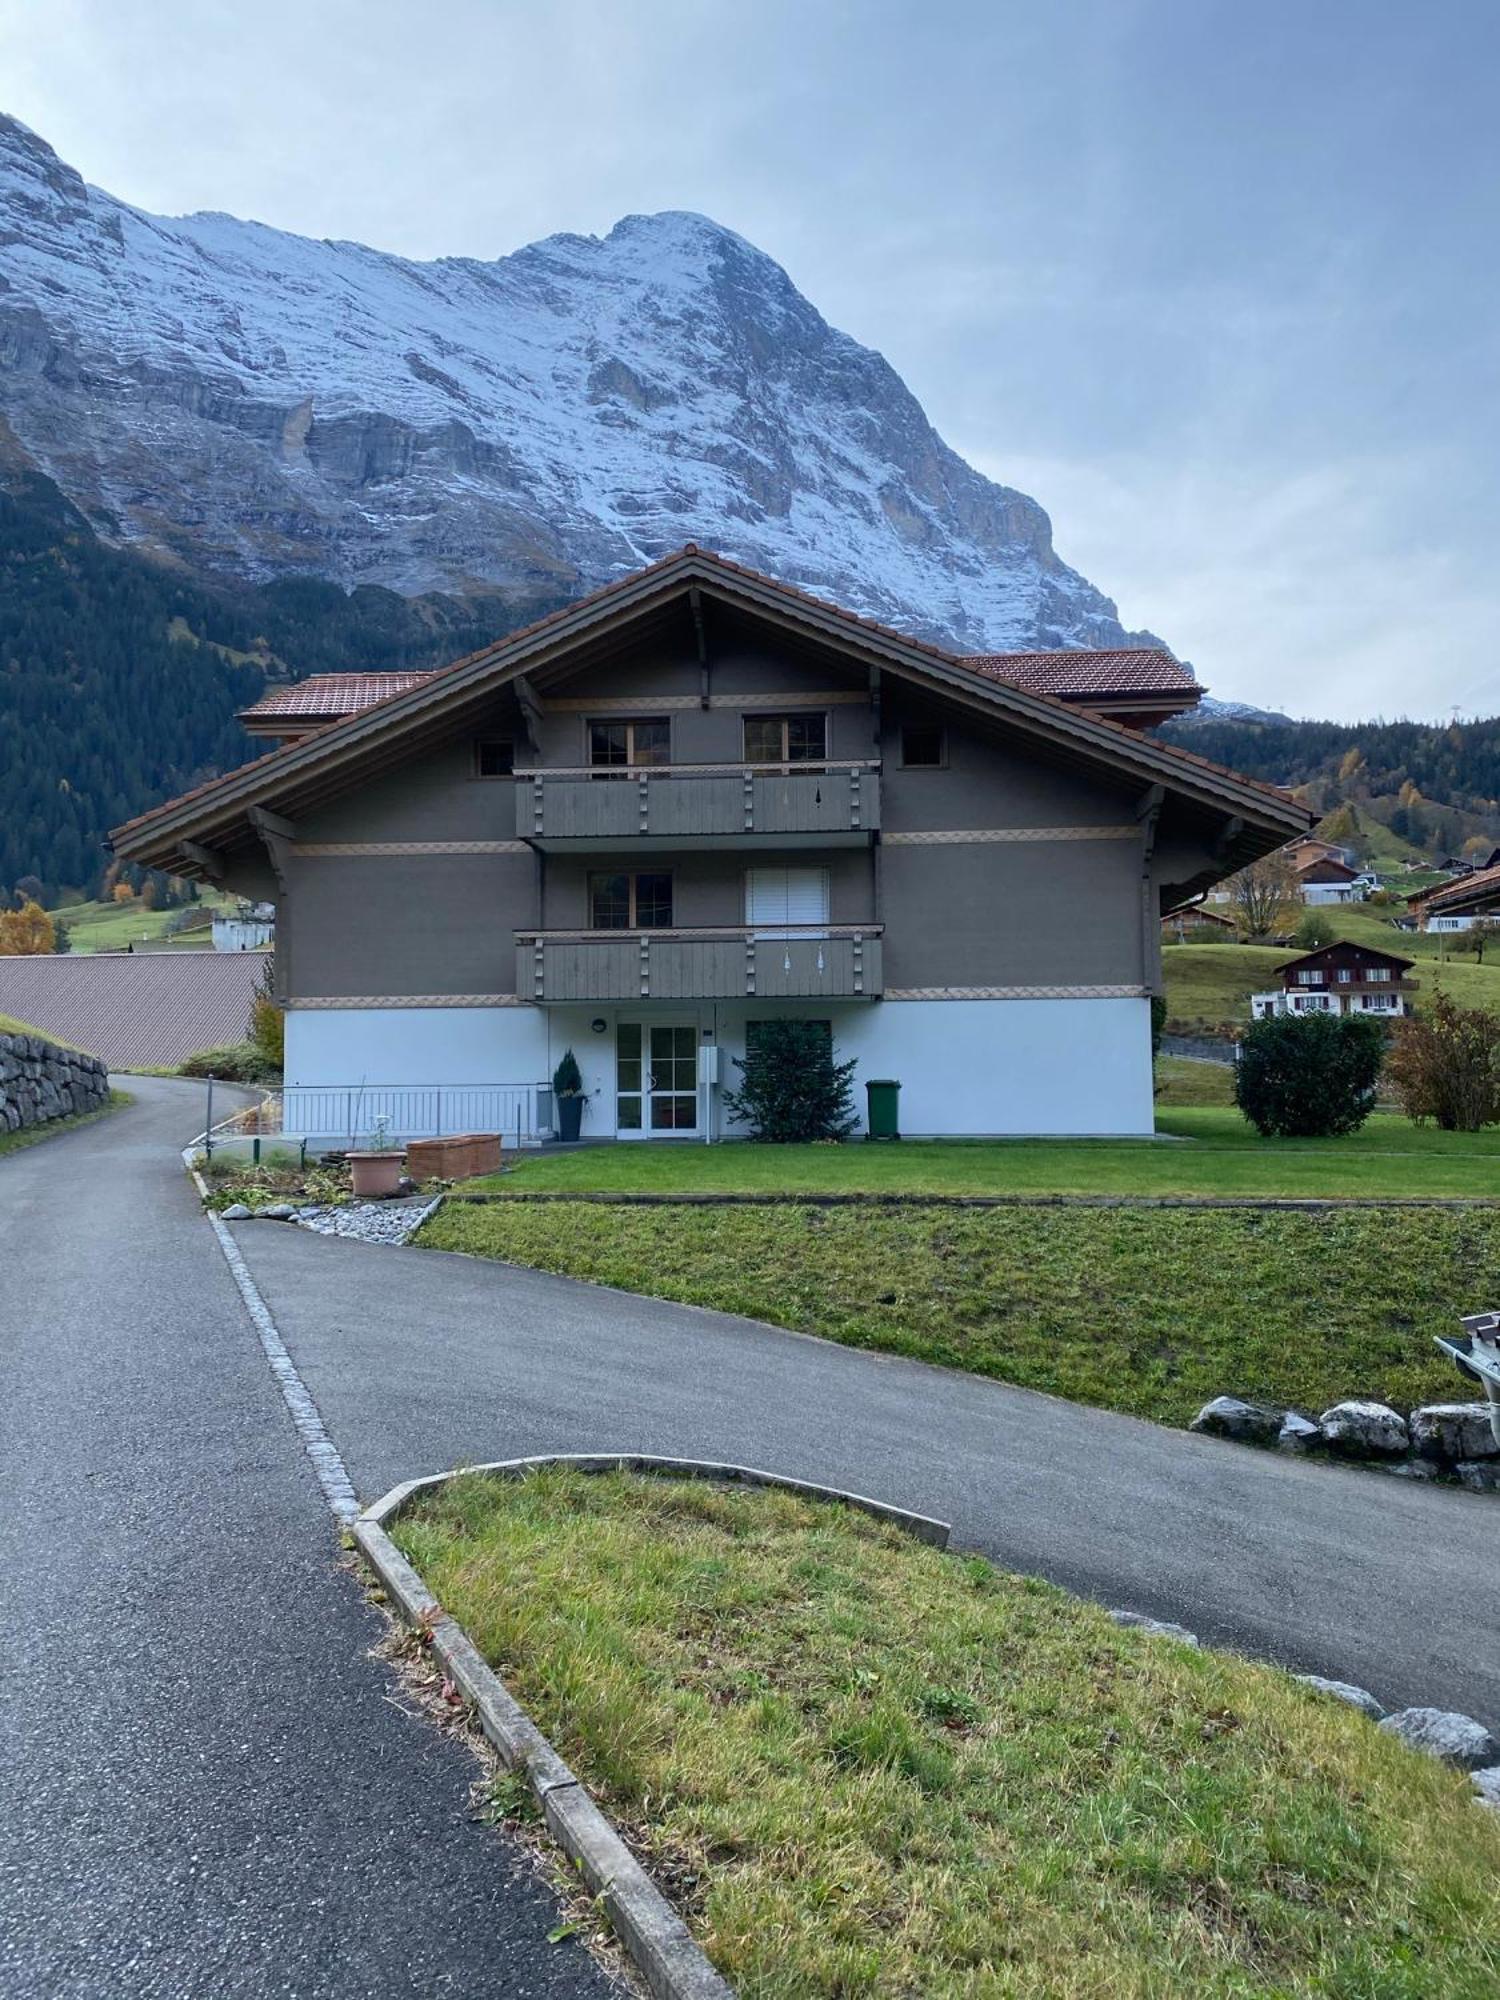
{"x":347,"y":1116}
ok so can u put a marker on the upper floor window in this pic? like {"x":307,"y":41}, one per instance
{"x":647,"y":740}
{"x":922,"y":747}
{"x":630,"y":902}
{"x":494,"y":757}
{"x":786,"y":739}
{"x":1313,"y":978}
{"x":1377,"y":972}
{"x":1345,"y":975}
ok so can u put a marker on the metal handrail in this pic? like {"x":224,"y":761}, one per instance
{"x":772,"y":927}
{"x":812,"y":768}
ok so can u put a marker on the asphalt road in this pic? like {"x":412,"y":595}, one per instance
{"x":421,"y":1360}
{"x":207,"y":1789}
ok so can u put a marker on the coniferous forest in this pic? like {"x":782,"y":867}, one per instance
{"x":120,"y":678}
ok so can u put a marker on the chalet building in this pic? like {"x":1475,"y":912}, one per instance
{"x":1339,"y":979}
{"x":1326,"y":878}
{"x":1196,"y":924}
{"x":697,"y":800}
{"x":1458,"y":906}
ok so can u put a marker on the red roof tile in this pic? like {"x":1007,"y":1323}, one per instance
{"x":1082,"y":675}
{"x":330,"y":695}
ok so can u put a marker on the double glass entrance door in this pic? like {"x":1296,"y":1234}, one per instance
{"x":656,"y":1078}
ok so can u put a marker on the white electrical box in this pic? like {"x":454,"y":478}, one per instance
{"x":708,"y":1062}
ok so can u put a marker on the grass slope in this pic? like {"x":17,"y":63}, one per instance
{"x":111,"y":926}
{"x":1209,"y":985}
{"x":867,"y":1768}
{"x":31,"y":1135}
{"x":1150,"y":1311}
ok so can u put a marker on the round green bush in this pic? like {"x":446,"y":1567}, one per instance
{"x":1309,"y":1076}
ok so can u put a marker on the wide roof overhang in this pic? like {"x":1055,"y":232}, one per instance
{"x":302,"y":775}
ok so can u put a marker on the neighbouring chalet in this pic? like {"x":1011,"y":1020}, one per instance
{"x":1328,"y":878}
{"x":1195,"y":923}
{"x":1339,"y":979}
{"x":1459,"y":905}
{"x":693,"y":801}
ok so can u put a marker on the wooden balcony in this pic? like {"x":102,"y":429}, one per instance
{"x":700,"y":805}
{"x":829,"y":962}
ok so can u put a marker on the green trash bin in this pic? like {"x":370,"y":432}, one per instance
{"x":882,"y":1095}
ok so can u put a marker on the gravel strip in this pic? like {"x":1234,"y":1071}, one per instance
{"x":370,"y":1221}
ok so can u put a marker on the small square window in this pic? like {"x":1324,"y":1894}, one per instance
{"x":921,"y":747}
{"x":495,"y":757}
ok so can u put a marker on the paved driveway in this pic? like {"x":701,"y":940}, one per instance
{"x":208,"y":1790}
{"x":421,"y":1360}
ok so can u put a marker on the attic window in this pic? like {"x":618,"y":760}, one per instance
{"x":921,"y":747}
{"x":495,"y":757}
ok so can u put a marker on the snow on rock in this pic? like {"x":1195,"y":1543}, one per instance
{"x":262,"y":404}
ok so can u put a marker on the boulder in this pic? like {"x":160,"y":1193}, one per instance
{"x":1451,"y":1431}
{"x":1244,"y":1423}
{"x":1298,"y":1433}
{"x":1480,"y":1475}
{"x":236,"y":1212}
{"x":277,"y":1211}
{"x":1456,"y":1739}
{"x":1159,"y":1628}
{"x":1487,"y":1785}
{"x":1356,"y":1697}
{"x":1364,"y":1430}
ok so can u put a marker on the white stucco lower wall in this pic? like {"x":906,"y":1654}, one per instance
{"x":966,"y":1067}
{"x":415,"y":1045}
{"x":1001,"y":1067}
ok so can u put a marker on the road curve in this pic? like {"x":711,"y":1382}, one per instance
{"x":209,"y":1788}
{"x":421,"y":1360}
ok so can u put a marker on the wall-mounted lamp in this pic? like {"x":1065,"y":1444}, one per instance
{"x":599,"y":1024}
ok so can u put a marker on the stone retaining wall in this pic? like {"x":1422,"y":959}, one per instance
{"x":40,"y":1081}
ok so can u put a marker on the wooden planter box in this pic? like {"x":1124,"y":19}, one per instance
{"x":456,"y":1158}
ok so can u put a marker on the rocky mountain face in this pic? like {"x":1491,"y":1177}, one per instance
{"x":260,"y":406}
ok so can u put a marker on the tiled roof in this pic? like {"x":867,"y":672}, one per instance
{"x":1486,"y":882}
{"x":1081,"y":675}
{"x":328,"y":695}
{"x":691,"y":550}
{"x":138,"y":1010}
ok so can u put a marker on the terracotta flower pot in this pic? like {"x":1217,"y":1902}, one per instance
{"x":376,"y":1175}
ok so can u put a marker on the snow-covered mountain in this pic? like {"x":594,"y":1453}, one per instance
{"x":260,"y":404}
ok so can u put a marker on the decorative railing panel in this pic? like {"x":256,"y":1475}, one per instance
{"x":831,"y":962}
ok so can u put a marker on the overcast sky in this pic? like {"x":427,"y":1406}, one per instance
{"x":1218,"y":284}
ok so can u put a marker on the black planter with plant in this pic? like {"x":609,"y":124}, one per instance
{"x":567,"y":1090}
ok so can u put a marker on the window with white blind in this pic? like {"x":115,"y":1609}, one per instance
{"x":778,"y":897}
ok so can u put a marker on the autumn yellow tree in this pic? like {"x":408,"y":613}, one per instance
{"x":27,"y":932}
{"x":123,"y":893}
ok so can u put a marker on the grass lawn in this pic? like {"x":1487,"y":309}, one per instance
{"x":1151,"y":1311}
{"x":32,"y":1135}
{"x":1181,"y":1081}
{"x":1212,"y":1151}
{"x":867,"y":1768}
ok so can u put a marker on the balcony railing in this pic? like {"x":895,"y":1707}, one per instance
{"x":726,"y":802}
{"x":828,"y":962}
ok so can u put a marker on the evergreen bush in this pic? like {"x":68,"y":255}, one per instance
{"x":792,"y":1089}
{"x":1309,"y":1076}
